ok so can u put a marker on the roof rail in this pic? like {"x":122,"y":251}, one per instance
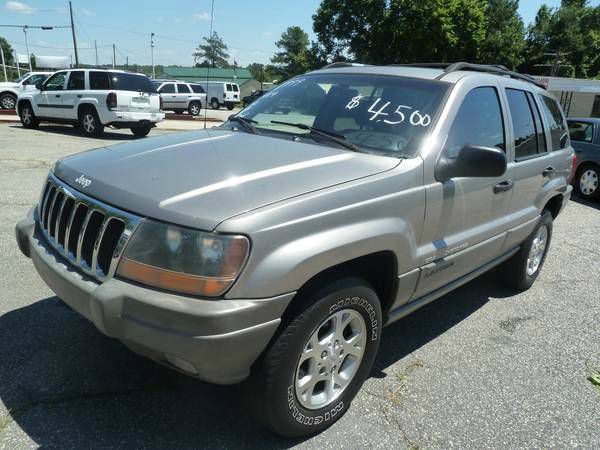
{"x":341,"y":64}
{"x":496,"y":69}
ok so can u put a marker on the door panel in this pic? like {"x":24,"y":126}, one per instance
{"x":50,"y":99}
{"x":74,"y":91}
{"x":463,"y":213}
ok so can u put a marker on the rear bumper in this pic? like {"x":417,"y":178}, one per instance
{"x":214,"y":340}
{"x":130,"y":118}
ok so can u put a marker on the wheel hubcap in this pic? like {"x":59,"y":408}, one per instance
{"x":8,"y":103}
{"x":195,"y":109}
{"x":330,"y":359}
{"x":538,"y":248}
{"x":588,"y":182}
{"x":26,"y":115}
{"x":88,"y":123}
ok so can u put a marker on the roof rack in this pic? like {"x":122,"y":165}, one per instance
{"x":496,"y":69}
{"x":342,"y":64}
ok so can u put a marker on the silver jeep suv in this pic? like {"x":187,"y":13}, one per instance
{"x":274,"y":249}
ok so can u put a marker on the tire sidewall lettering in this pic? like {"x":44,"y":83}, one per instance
{"x":308,"y":420}
{"x":361,"y":303}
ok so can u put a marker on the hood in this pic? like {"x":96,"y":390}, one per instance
{"x":202,"y":178}
{"x":9,"y":84}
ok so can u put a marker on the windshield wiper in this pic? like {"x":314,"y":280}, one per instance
{"x":246,"y":123}
{"x":333,"y":137}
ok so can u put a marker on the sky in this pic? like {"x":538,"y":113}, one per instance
{"x":249,"y":28}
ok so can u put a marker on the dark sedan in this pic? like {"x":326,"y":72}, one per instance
{"x":585,"y":138}
{"x":253,"y":96}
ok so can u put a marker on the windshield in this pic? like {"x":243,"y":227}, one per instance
{"x":122,"y":81}
{"x":380,"y":114}
{"x":21,"y":78}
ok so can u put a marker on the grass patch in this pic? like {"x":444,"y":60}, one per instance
{"x":5,"y":420}
{"x":593,"y":375}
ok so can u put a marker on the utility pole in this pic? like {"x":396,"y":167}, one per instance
{"x":27,"y":47}
{"x":73,"y":33}
{"x":17,"y":61}
{"x":152,"y":54}
{"x":114,"y":56}
{"x":96,"y":49}
{"x":3,"y":63}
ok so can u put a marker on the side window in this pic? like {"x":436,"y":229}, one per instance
{"x":235,"y":88}
{"x":56,"y":82}
{"x":183,"y":88}
{"x":539,"y":125}
{"x":581,"y":131}
{"x":197,"y":89}
{"x":28,"y":81}
{"x":167,"y":89}
{"x":556,"y":123}
{"x":76,"y":81}
{"x":478,"y":122}
{"x":36,"y":79}
{"x":228,"y":87}
{"x":99,"y":81}
{"x":523,"y":124}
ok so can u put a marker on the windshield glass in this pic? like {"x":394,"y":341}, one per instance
{"x":380,"y":114}
{"x":129,"y":82}
{"x":21,"y":78}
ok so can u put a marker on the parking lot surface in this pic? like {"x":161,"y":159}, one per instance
{"x":482,"y":367}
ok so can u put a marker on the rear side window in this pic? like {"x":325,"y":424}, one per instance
{"x":99,"y":81}
{"x":581,"y":131}
{"x":478,"y":122}
{"x":197,"y":88}
{"x":122,"y":81}
{"x":523,"y":124}
{"x":556,"y":123}
{"x":167,"y":89}
{"x":76,"y":81}
{"x":228,"y":87}
{"x":235,"y":88}
{"x":183,"y":88}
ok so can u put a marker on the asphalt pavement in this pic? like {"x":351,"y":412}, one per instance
{"x":482,"y":367}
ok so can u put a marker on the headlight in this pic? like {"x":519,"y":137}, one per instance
{"x":183,"y":260}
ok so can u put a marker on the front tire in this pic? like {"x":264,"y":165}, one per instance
{"x":8,"y":101}
{"x":230,"y":107}
{"x":141,"y":131}
{"x":90,"y":124}
{"x":313,"y":370}
{"x":587,"y":182}
{"x":521,"y":270}
{"x":28,"y":118}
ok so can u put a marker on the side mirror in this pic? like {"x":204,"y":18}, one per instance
{"x":39,"y":85}
{"x":472,"y":161}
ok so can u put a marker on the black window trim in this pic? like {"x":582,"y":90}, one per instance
{"x":564,"y":120}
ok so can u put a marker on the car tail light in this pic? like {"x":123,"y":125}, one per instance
{"x":111,"y":100}
{"x":574,"y":164}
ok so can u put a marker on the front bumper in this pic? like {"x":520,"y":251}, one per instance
{"x":214,"y":340}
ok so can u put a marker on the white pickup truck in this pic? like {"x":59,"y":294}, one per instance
{"x":93,"y":99}
{"x":10,"y":90}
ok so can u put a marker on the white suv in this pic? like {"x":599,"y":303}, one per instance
{"x":93,"y":99}
{"x":179,"y":96}
{"x":10,"y":90}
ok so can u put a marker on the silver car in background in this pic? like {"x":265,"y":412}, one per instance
{"x":180,"y":96}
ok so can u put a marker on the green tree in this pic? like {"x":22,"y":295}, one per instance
{"x":401,"y":31}
{"x":293,"y":57}
{"x":504,"y":40}
{"x":262,"y":72}
{"x":9,"y":59}
{"x":212,"y":53}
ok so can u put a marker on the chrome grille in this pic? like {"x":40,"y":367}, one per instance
{"x":89,"y":233}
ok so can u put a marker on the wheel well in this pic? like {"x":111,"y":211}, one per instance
{"x":554,"y":204}
{"x":23,"y":102}
{"x":9,"y":93}
{"x":215,"y":99}
{"x":84,"y":107}
{"x":378,"y":269}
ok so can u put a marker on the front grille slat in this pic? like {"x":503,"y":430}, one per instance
{"x":89,"y":233}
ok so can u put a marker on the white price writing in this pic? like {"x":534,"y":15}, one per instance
{"x":380,"y":113}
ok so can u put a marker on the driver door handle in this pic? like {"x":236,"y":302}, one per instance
{"x":503,"y":186}
{"x":548,"y":171}
{"x":57,"y":95}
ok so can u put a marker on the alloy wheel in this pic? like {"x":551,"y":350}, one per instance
{"x":26,"y":116}
{"x":89,"y":123}
{"x":537,"y":250}
{"x":330,"y":359}
{"x":8,"y":102}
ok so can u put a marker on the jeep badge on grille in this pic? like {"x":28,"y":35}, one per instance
{"x":83,"y":181}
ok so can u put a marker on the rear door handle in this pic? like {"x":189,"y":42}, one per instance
{"x":548,"y":171}
{"x":79,"y":96}
{"x":57,"y":95}
{"x":503,"y":186}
